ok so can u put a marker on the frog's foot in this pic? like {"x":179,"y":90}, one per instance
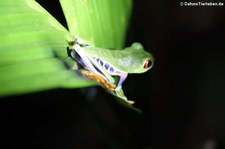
{"x":119,"y":92}
{"x":100,"y":79}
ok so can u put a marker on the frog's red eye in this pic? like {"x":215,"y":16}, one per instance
{"x":148,"y":63}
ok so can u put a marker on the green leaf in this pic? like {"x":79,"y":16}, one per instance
{"x":33,"y":50}
{"x":102,"y":22}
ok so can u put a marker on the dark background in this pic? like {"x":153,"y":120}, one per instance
{"x":182,"y":97}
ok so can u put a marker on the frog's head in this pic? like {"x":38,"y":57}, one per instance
{"x":146,"y":60}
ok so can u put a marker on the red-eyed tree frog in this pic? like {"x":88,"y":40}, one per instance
{"x":102,"y":65}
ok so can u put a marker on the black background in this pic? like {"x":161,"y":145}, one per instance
{"x":182,"y":97}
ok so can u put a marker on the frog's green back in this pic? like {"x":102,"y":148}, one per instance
{"x":130,"y":60}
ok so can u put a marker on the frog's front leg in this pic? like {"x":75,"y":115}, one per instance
{"x":123,"y":77}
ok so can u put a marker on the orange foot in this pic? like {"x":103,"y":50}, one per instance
{"x":105,"y":83}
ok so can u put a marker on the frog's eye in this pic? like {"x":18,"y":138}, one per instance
{"x":148,"y":63}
